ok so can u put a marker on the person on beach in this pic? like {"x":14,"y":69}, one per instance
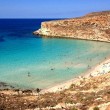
{"x":28,"y":74}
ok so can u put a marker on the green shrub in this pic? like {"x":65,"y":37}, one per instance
{"x":96,"y":108}
{"x":74,"y":109}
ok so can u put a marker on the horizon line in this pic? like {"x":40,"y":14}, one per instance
{"x":32,"y":18}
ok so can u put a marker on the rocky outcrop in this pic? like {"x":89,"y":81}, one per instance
{"x":93,"y":26}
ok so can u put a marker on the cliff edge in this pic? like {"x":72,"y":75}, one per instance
{"x":93,"y":26}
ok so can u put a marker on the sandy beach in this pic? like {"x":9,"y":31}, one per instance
{"x":102,"y":68}
{"x":94,"y":86}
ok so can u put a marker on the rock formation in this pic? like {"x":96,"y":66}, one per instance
{"x":93,"y":26}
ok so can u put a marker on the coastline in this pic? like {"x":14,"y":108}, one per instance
{"x":95,"y":71}
{"x":27,"y":97}
{"x":62,"y":37}
{"x":93,"y":26}
{"x":85,"y":90}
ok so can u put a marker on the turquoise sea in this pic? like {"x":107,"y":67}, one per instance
{"x":28,"y":61}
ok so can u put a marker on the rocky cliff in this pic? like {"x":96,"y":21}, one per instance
{"x":93,"y":26}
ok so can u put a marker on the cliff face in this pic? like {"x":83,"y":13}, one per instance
{"x":93,"y":26}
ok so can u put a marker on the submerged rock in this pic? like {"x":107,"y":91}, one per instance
{"x":2,"y":39}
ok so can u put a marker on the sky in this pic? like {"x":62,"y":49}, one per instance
{"x":50,"y":8}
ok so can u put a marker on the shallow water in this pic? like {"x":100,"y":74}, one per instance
{"x":28,"y":61}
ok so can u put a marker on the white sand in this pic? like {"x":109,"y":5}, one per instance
{"x":102,"y":68}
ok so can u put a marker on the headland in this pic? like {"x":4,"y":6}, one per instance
{"x":93,"y":26}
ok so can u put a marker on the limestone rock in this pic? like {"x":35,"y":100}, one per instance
{"x":93,"y":26}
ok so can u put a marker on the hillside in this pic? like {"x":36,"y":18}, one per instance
{"x":88,"y":94}
{"x":93,"y":26}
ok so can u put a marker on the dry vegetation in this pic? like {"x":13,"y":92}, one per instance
{"x":88,"y":93}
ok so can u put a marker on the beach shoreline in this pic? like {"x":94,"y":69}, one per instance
{"x":95,"y":71}
{"x":97,"y":84}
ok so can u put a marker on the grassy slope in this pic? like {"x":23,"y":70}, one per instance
{"x":86,"y":94}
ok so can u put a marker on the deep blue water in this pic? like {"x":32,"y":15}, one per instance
{"x":30,"y":61}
